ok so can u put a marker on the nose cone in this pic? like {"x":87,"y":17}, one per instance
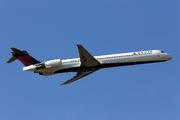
{"x":170,"y":57}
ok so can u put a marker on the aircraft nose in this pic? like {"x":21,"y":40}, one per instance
{"x":170,"y":57}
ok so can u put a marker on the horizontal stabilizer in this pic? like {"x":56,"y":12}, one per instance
{"x":18,"y":52}
{"x":13,"y":58}
{"x":23,"y":57}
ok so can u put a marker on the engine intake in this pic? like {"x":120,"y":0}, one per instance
{"x":53,"y":63}
{"x":50,"y":64}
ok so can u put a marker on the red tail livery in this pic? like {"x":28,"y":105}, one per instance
{"x":23,"y":57}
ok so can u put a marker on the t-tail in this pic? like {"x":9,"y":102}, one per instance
{"x":23,"y":57}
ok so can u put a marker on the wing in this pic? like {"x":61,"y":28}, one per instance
{"x":78,"y":76}
{"x":87,"y":60}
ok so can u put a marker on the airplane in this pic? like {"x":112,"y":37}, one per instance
{"x":87,"y":63}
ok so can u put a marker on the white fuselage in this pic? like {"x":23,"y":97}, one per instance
{"x":113,"y":60}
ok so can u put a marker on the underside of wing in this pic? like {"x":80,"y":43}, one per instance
{"x":78,"y":76}
{"x":87,"y":60}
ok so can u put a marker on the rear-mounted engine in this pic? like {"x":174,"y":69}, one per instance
{"x":50,"y":64}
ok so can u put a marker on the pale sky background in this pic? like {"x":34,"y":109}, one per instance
{"x":51,"y":29}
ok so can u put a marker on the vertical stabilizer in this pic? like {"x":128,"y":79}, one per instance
{"x":23,"y":57}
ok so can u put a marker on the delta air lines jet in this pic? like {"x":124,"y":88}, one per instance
{"x":87,"y":63}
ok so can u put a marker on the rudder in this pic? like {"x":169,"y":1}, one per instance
{"x":23,"y":57}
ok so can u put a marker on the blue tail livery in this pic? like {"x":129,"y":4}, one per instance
{"x":23,"y":57}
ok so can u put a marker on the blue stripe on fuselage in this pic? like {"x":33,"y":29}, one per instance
{"x":83,"y":69}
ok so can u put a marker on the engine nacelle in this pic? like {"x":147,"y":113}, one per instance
{"x":49,"y":64}
{"x":53,"y":63}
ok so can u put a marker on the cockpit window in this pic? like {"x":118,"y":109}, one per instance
{"x":162,"y":51}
